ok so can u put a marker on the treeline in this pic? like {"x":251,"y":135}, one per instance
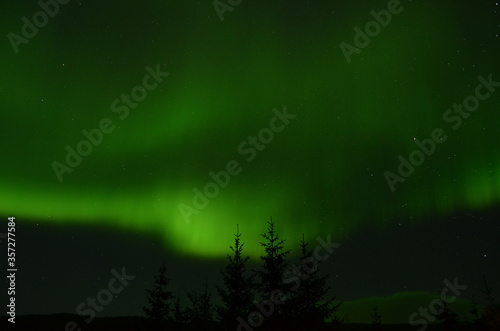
{"x":280,"y":294}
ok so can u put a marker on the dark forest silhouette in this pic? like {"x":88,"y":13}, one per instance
{"x":279,"y":296}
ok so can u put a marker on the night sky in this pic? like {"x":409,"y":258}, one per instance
{"x":134,"y":133}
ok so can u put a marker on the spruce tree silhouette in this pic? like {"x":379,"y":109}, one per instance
{"x":158,"y":309}
{"x":490,"y":317}
{"x":447,"y":317}
{"x":376,"y":319}
{"x":273,"y":290}
{"x":178,"y":312}
{"x":237,"y":293}
{"x":201,"y":311}
{"x":308,"y":297}
{"x":476,"y":315}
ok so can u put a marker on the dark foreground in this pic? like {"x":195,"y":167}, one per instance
{"x":62,"y":322}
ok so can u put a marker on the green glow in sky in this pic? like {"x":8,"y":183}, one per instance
{"x":322,"y":174}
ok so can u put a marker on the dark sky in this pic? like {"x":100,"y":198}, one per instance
{"x":136,"y":133}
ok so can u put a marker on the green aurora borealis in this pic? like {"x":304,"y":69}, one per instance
{"x":323,"y":174}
